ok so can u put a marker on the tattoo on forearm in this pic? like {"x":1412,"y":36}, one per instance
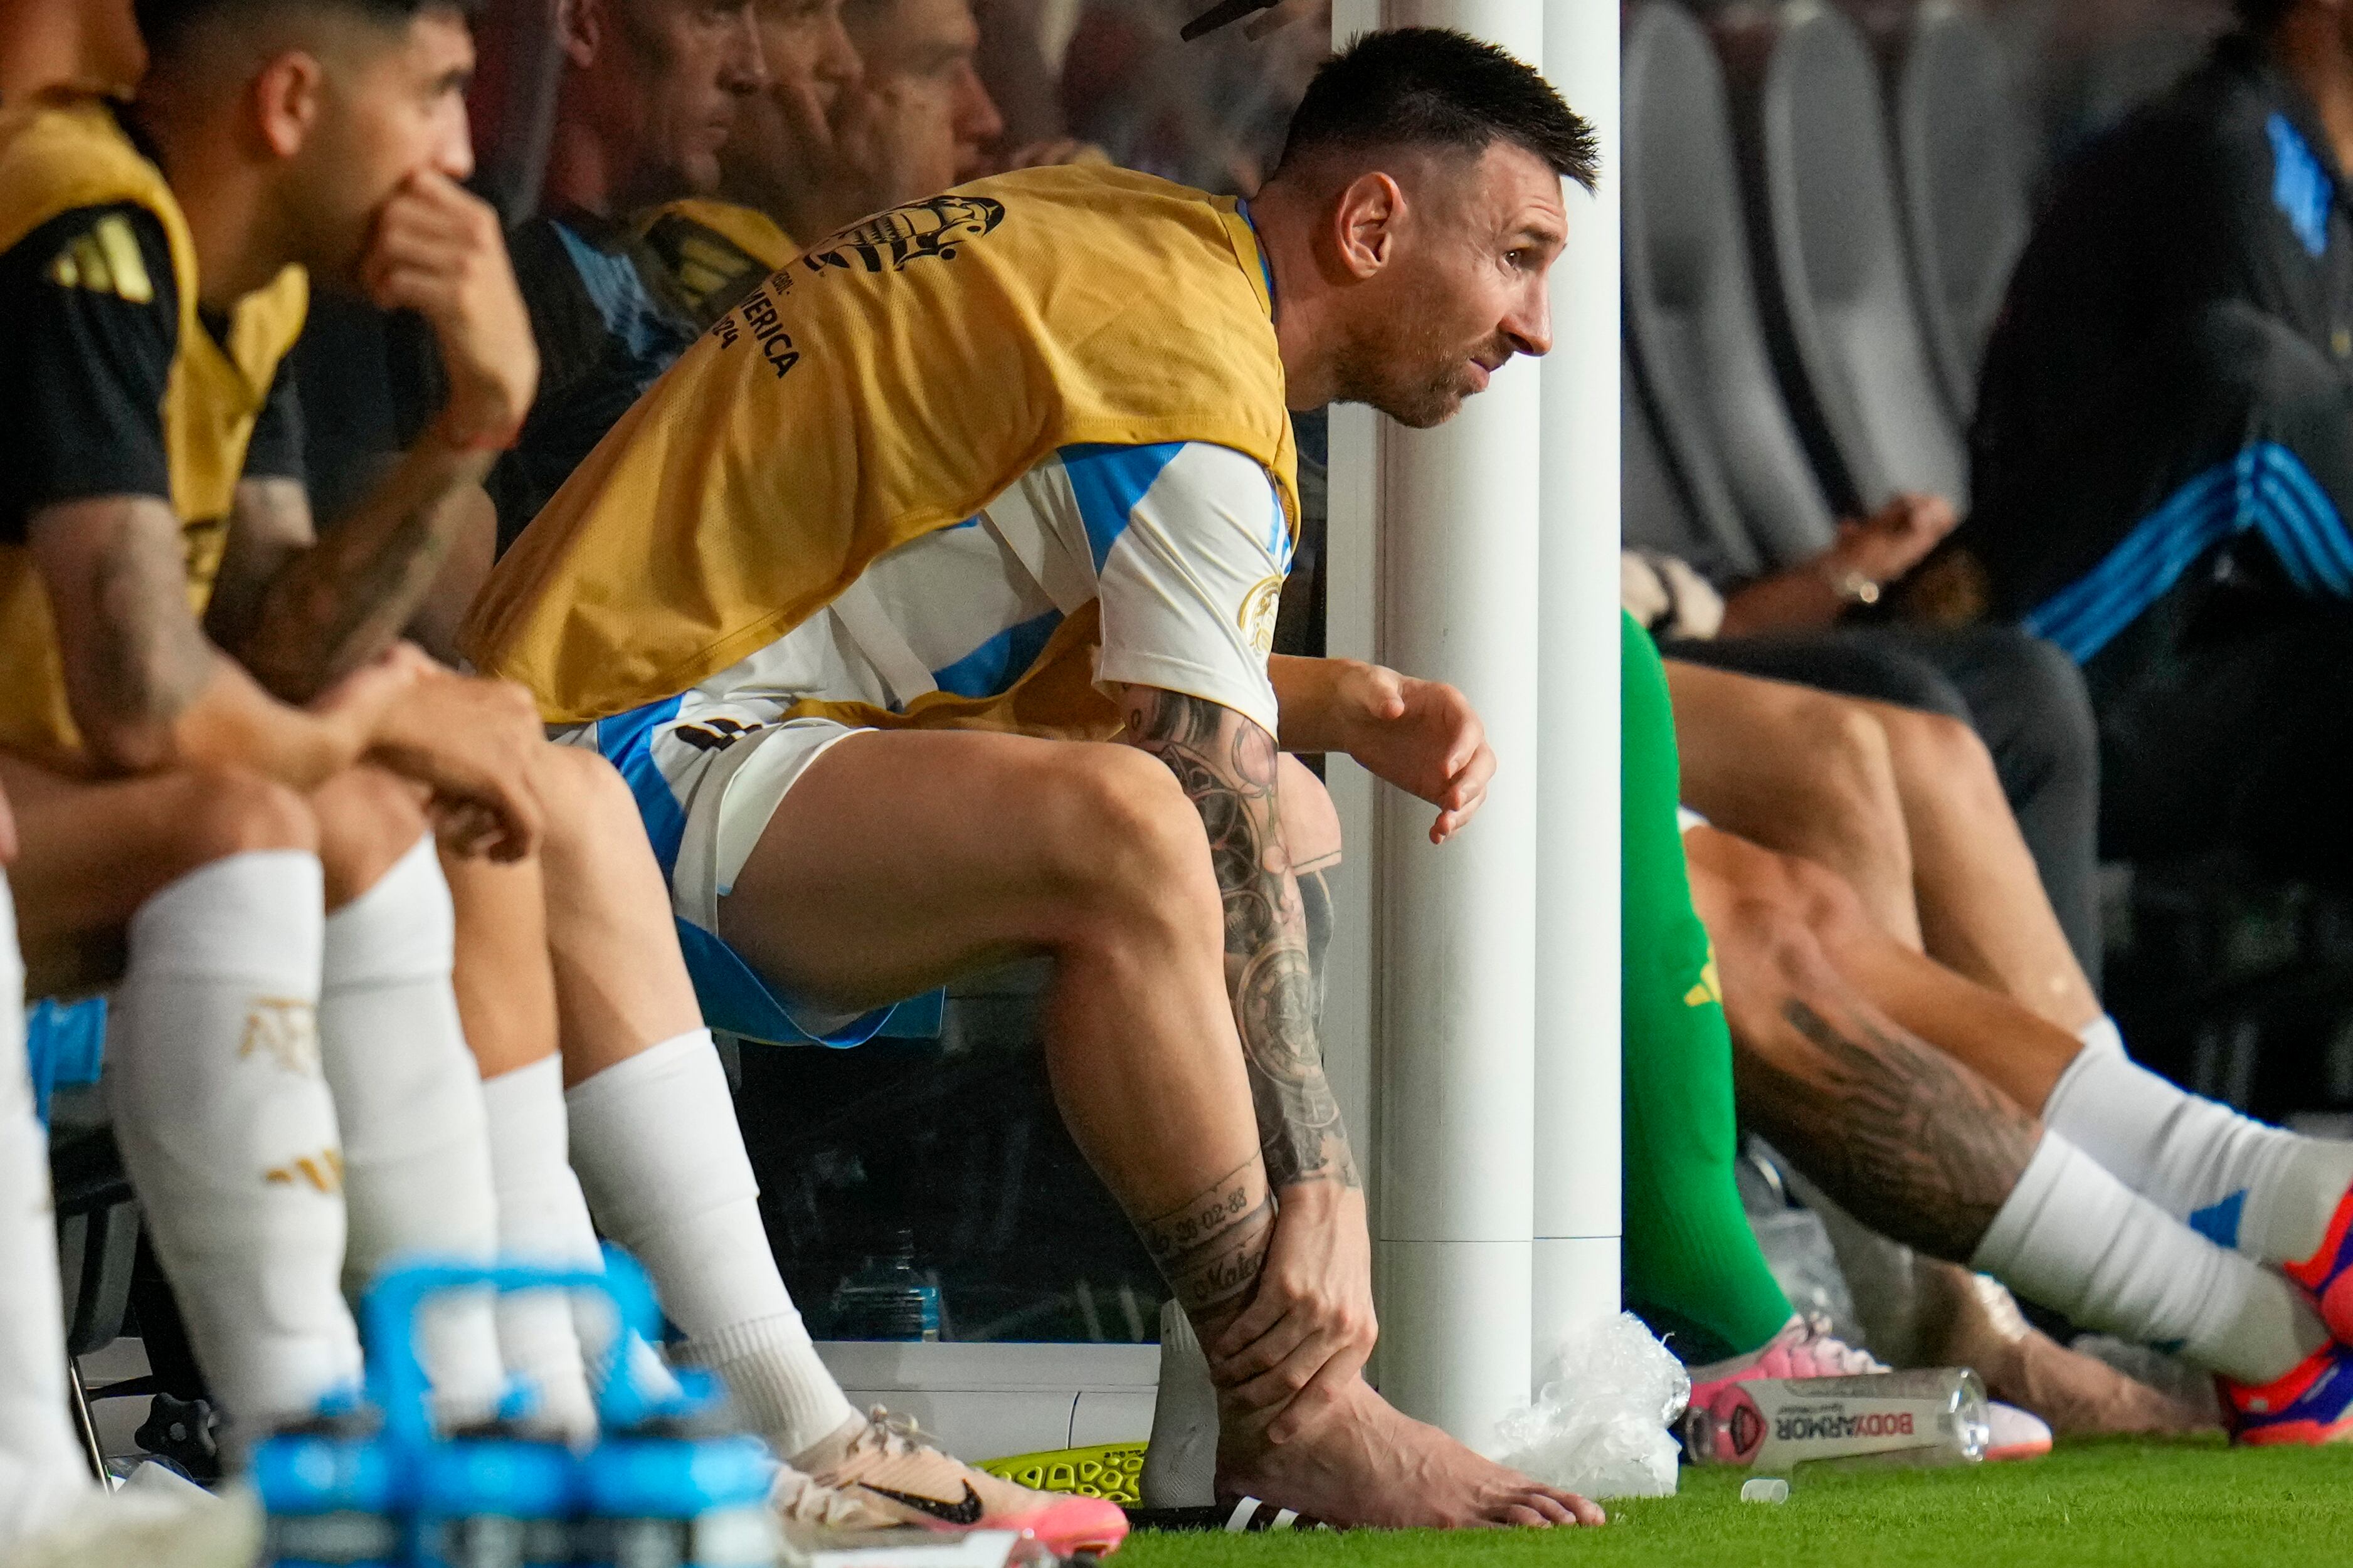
{"x":345,"y":602}
{"x":152,"y":661}
{"x":1915,"y":1144}
{"x":1211,"y":1248}
{"x":1226,"y":766}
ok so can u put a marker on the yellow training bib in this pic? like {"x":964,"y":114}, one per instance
{"x":890,"y":381}
{"x":56,"y":157}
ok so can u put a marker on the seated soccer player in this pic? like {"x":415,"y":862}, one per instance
{"x":975,"y":664}
{"x":276,"y":1066}
{"x":2162,"y":458}
{"x":1951,"y":1119}
{"x":890,"y":108}
{"x":1693,"y":1268}
{"x":651,"y":88}
{"x":51,"y":1507}
{"x":569,"y":944}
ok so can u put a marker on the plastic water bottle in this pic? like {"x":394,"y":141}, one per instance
{"x":667,"y":1492}
{"x":1934,"y":1416}
{"x":494,"y":1501}
{"x":887,"y":1299}
{"x":332,"y":1490}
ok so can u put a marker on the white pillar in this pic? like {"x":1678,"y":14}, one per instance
{"x":1456,"y":601}
{"x":1577,"y":1204}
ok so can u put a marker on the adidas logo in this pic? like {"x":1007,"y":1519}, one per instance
{"x":105,"y":259}
{"x":322,"y":1172}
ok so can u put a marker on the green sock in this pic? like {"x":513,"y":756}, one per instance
{"x":1693,"y":1264}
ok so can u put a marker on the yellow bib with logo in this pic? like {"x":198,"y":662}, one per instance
{"x":890,"y":383}
{"x":713,"y":252}
{"x":57,"y":157}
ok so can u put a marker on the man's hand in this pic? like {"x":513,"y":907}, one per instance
{"x":471,"y":742}
{"x":356,"y":705}
{"x":1311,"y":1319}
{"x":1888,"y":543}
{"x":1422,"y":736}
{"x":436,"y":250}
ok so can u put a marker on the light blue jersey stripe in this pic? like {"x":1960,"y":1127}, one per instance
{"x":1108,"y":482}
{"x":2265,"y":487}
{"x":990,"y":669}
{"x":627,"y":741}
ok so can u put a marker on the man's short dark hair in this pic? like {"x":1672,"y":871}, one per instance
{"x":1432,"y":87}
{"x":2262,"y":16}
{"x":165,"y":25}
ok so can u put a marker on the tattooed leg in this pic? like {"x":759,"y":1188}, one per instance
{"x":1211,"y":1248}
{"x":1914,"y":1143}
{"x":1229,"y":769}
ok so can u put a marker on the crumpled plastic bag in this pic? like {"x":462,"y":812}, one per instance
{"x":1601,"y":1426}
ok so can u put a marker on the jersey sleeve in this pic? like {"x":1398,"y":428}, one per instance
{"x":93,"y":317}
{"x":1190,"y":547}
{"x":275,"y":449}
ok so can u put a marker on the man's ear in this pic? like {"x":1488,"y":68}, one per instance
{"x":288,"y":97}
{"x":581,"y":25}
{"x":1365,"y":222}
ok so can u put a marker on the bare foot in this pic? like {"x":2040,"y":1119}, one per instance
{"x":1978,"y":1324}
{"x":1353,"y":1460}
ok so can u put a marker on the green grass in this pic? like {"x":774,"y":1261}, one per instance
{"x":2198,"y":1504}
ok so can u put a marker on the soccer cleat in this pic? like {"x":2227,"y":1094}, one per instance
{"x":2328,"y":1275}
{"x":2015,"y":1434}
{"x":893,"y":1469}
{"x":2312,"y":1404}
{"x":814,"y":1518}
{"x":1804,"y":1348}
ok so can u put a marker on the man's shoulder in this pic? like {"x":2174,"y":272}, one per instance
{"x":2209,"y":139}
{"x":595,"y":295}
{"x":59,"y":154}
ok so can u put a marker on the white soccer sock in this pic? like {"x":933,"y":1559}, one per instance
{"x":417,"y":1158}
{"x":2075,"y":1238}
{"x":542,"y":1219}
{"x":2102,"y":1035}
{"x":2268,"y":1193}
{"x":227,"y":1131}
{"x":655,"y":1140}
{"x":41,"y":1466}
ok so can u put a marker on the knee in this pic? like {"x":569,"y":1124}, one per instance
{"x":1823,"y":902}
{"x":1854,"y":770}
{"x":1124,"y":841}
{"x":2057,"y":706}
{"x":368,"y":819}
{"x":228,"y":812}
{"x":1933,"y":753}
{"x":1311,"y":825}
{"x":583,"y":797}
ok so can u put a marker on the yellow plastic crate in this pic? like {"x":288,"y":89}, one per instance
{"x":1107,"y":1471}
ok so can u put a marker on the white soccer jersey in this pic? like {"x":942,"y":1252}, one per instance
{"x":1185,"y":544}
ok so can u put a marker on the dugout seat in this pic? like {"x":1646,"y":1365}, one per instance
{"x":1694,"y":338}
{"x":1964,"y":184}
{"x":1831,"y":256}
